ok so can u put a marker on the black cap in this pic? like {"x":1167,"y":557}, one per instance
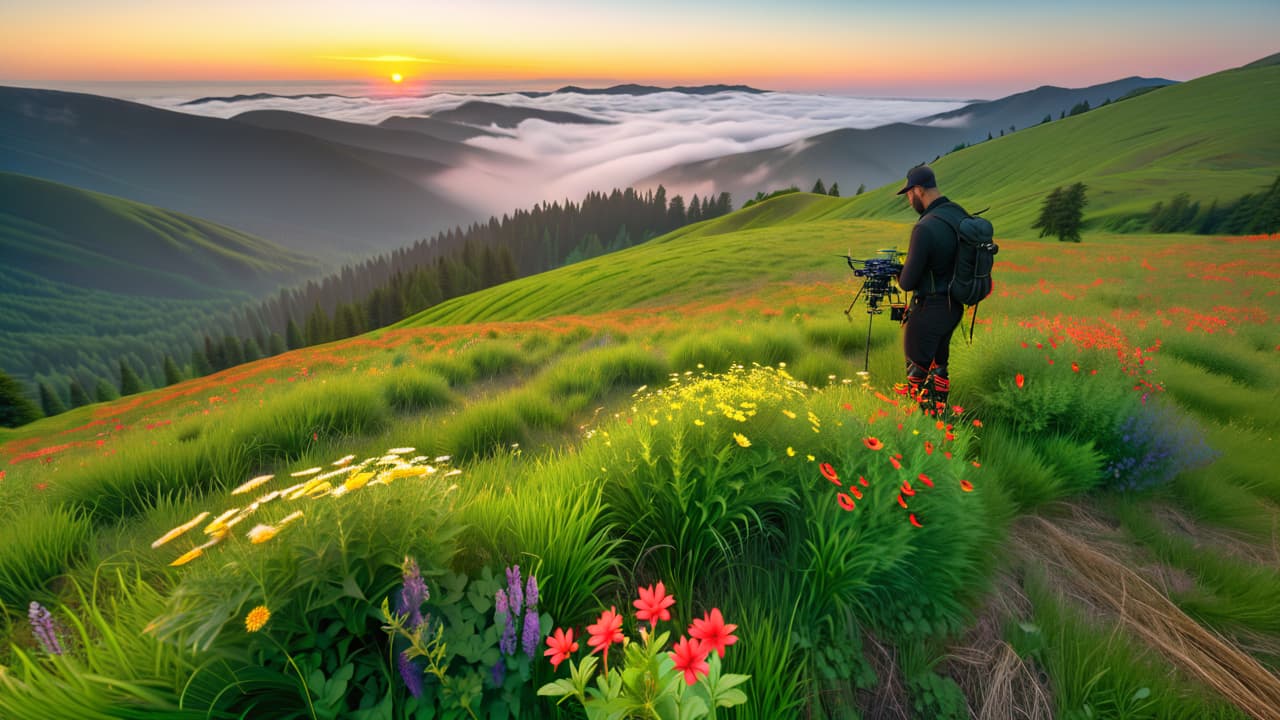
{"x":921,"y":175}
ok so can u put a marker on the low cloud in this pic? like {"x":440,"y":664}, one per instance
{"x":645,"y":135}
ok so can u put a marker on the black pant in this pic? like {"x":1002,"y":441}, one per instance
{"x":926,"y":340}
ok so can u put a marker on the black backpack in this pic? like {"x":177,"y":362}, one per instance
{"x":975,"y":256}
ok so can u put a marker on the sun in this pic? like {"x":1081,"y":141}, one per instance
{"x":396,"y":77}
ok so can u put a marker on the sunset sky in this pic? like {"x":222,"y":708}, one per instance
{"x":916,"y":49}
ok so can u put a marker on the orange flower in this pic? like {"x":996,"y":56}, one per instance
{"x":925,"y":479}
{"x":907,"y":489}
{"x":894,"y":461}
{"x":560,"y":646}
{"x":914,"y":521}
{"x":928,"y":448}
{"x":1018,"y":380}
{"x":872,"y":443}
{"x":856,"y":492}
{"x":829,"y":473}
{"x":966,"y":486}
{"x":977,"y":423}
{"x":256,"y":618}
{"x":845,"y":501}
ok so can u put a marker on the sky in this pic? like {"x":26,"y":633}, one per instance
{"x":920,"y":49}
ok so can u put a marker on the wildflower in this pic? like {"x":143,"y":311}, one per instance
{"x":532,"y":632}
{"x":304,"y":473}
{"x":653,"y":604}
{"x":187,"y":557}
{"x":902,"y":502}
{"x":925,"y":479}
{"x":180,"y":529}
{"x":531,"y":591}
{"x":829,"y":473}
{"x":699,"y":423}
{"x":845,"y":501}
{"x":606,"y":631}
{"x":791,"y":452}
{"x":560,"y":646}
{"x":400,"y":451}
{"x":966,"y":486}
{"x":914,"y":521}
{"x":344,"y":460}
{"x":928,"y":447}
{"x":712,"y":632}
{"x":872,"y":443}
{"x":256,"y":618}
{"x":413,"y":593}
{"x":1075,"y":367}
{"x":741,"y":440}
{"x":897,"y":465}
{"x":43,"y":628}
{"x":855,"y":491}
{"x":690,"y":658}
{"x":789,"y":414}
{"x":977,"y":423}
{"x":515,"y":590}
{"x":1018,"y":380}
{"x":410,"y":674}
{"x":262,"y":533}
{"x":499,"y":673}
{"x":907,"y":489}
{"x":862,"y":481}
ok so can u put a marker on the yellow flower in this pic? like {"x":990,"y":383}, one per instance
{"x":220,"y":522}
{"x":288,"y":519}
{"x":811,"y":458}
{"x":262,"y":533}
{"x":791,"y":452}
{"x":357,"y":481}
{"x":256,"y":618}
{"x":741,"y":440}
{"x":789,"y":414}
{"x":251,"y":484}
{"x":180,"y":529}
{"x":699,"y":423}
{"x":187,"y":557}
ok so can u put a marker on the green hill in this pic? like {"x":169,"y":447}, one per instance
{"x":1212,"y":138}
{"x":99,"y":242}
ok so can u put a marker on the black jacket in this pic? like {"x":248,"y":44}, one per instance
{"x":931,"y":257}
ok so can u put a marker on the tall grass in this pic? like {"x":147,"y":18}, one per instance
{"x":38,"y":547}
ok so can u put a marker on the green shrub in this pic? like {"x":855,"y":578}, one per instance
{"x":410,"y":389}
{"x":482,"y":429}
{"x":39,"y":546}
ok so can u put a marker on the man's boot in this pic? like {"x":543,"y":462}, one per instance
{"x":940,"y":388}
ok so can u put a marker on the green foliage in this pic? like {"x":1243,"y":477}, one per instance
{"x":1062,"y":213}
{"x":130,"y":383}
{"x":481,"y":429}
{"x":409,"y":388}
{"x":719,"y":350}
{"x":50,"y":403}
{"x":15,"y":407}
{"x":38,"y":547}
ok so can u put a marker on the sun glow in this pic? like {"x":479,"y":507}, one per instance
{"x":396,"y":77}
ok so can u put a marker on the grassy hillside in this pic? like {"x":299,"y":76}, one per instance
{"x":1213,"y":138}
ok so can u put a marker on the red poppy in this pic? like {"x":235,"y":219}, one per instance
{"x":914,"y":521}
{"x":977,"y":423}
{"x":947,"y":454}
{"x":896,"y":465}
{"x":856,"y":492}
{"x":690,"y":658}
{"x":928,"y":447}
{"x":653,"y":604}
{"x":829,"y":473}
{"x":957,"y":409}
{"x":925,"y":479}
{"x":560,"y":646}
{"x":862,"y":481}
{"x":872,"y":443}
{"x":1018,"y":380}
{"x":845,"y":501}
{"x":907,"y":489}
{"x":712,"y":632}
{"x":902,"y":502}
{"x":847,"y":406}
{"x":606,"y":631}
{"x":977,"y":464}
{"x":966,"y":486}
{"x":1075,"y":367}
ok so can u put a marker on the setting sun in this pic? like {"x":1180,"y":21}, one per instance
{"x":396,"y":77}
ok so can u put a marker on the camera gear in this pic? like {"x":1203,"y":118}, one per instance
{"x":879,"y":284}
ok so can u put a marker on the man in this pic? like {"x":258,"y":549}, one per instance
{"x":927,"y":273}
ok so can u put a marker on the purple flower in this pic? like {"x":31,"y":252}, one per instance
{"x":531,"y":592}
{"x":413,"y":594}
{"x":43,"y":628}
{"x":508,"y":642}
{"x":409,"y":673}
{"x":514,"y":593}
{"x":500,"y":605}
{"x":499,"y":673}
{"x":532,"y":633}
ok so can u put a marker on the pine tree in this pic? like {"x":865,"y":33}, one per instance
{"x":1071,"y":217}
{"x":1050,"y":213}
{"x":130,"y":383}
{"x":172,"y":375}
{"x":50,"y":402}
{"x":819,"y":188}
{"x":200,"y":364}
{"x":15,"y":407}
{"x":251,"y":350}
{"x":293,"y":336}
{"x":835,"y":190}
{"x":862,"y":187}
{"x":232,"y":350}
{"x":276,"y":344}
{"x":214,"y":355}
{"x":79,"y":398}
{"x":104,"y":391}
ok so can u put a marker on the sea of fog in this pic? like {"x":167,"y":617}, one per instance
{"x":645,"y":134}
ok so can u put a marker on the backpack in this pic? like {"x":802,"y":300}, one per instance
{"x":975,"y":257}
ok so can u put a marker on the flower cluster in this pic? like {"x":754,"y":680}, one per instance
{"x":413,"y":593}
{"x":509,"y":602}
{"x":42,"y":626}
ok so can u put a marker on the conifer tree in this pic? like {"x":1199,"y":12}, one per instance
{"x":276,"y":344}
{"x":79,"y":398}
{"x":104,"y":391}
{"x":130,"y":383}
{"x":293,"y":336}
{"x":50,"y":402}
{"x":172,"y":375}
{"x":200,"y":364}
{"x":819,"y":188}
{"x":15,"y":407}
{"x":835,"y":190}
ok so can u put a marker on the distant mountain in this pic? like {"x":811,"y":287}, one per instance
{"x":879,"y":155}
{"x":438,"y":154}
{"x":1029,"y":108}
{"x":477,"y":112}
{"x":99,"y":242}
{"x":650,"y":89}
{"x":332,"y":200}
{"x":441,"y":129}
{"x":259,"y":96}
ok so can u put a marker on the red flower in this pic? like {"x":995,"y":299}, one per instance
{"x":977,"y":423}
{"x":863,"y":481}
{"x":560,"y":646}
{"x":914,"y":521}
{"x":872,"y":443}
{"x":896,"y":465}
{"x":845,"y":501}
{"x":847,"y":406}
{"x":856,"y":492}
{"x":829,"y":473}
{"x":690,"y":658}
{"x":925,"y":479}
{"x":1018,"y":380}
{"x":606,"y":631}
{"x":1075,"y":367}
{"x":928,"y":448}
{"x":957,"y":409}
{"x":966,"y":486}
{"x":653,"y":604}
{"x":907,"y":489}
{"x":902,"y":502}
{"x":712,"y":632}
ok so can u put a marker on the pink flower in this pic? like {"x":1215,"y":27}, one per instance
{"x":653,"y":604}
{"x":691,"y":659}
{"x":712,"y":631}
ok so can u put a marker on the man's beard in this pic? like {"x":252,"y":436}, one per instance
{"x":917,"y":204}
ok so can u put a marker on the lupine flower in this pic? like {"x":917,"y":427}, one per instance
{"x":43,"y":628}
{"x":606,"y":631}
{"x":410,"y":674}
{"x":690,"y":658}
{"x":560,"y":646}
{"x":532,"y":632}
{"x":712,"y":632}
{"x":503,"y":615}
{"x":257,"y":618}
{"x":653,"y":604}
{"x":531,"y":591}
{"x":499,"y":673}
{"x":413,"y":594}
{"x":515,"y":590}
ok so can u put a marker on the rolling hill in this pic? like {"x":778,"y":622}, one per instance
{"x":878,"y":155}
{"x":331,"y":200}
{"x":484,"y":114}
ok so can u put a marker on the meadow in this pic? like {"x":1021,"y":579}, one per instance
{"x":1088,"y":531}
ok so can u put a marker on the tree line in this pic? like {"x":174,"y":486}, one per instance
{"x":390,"y":287}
